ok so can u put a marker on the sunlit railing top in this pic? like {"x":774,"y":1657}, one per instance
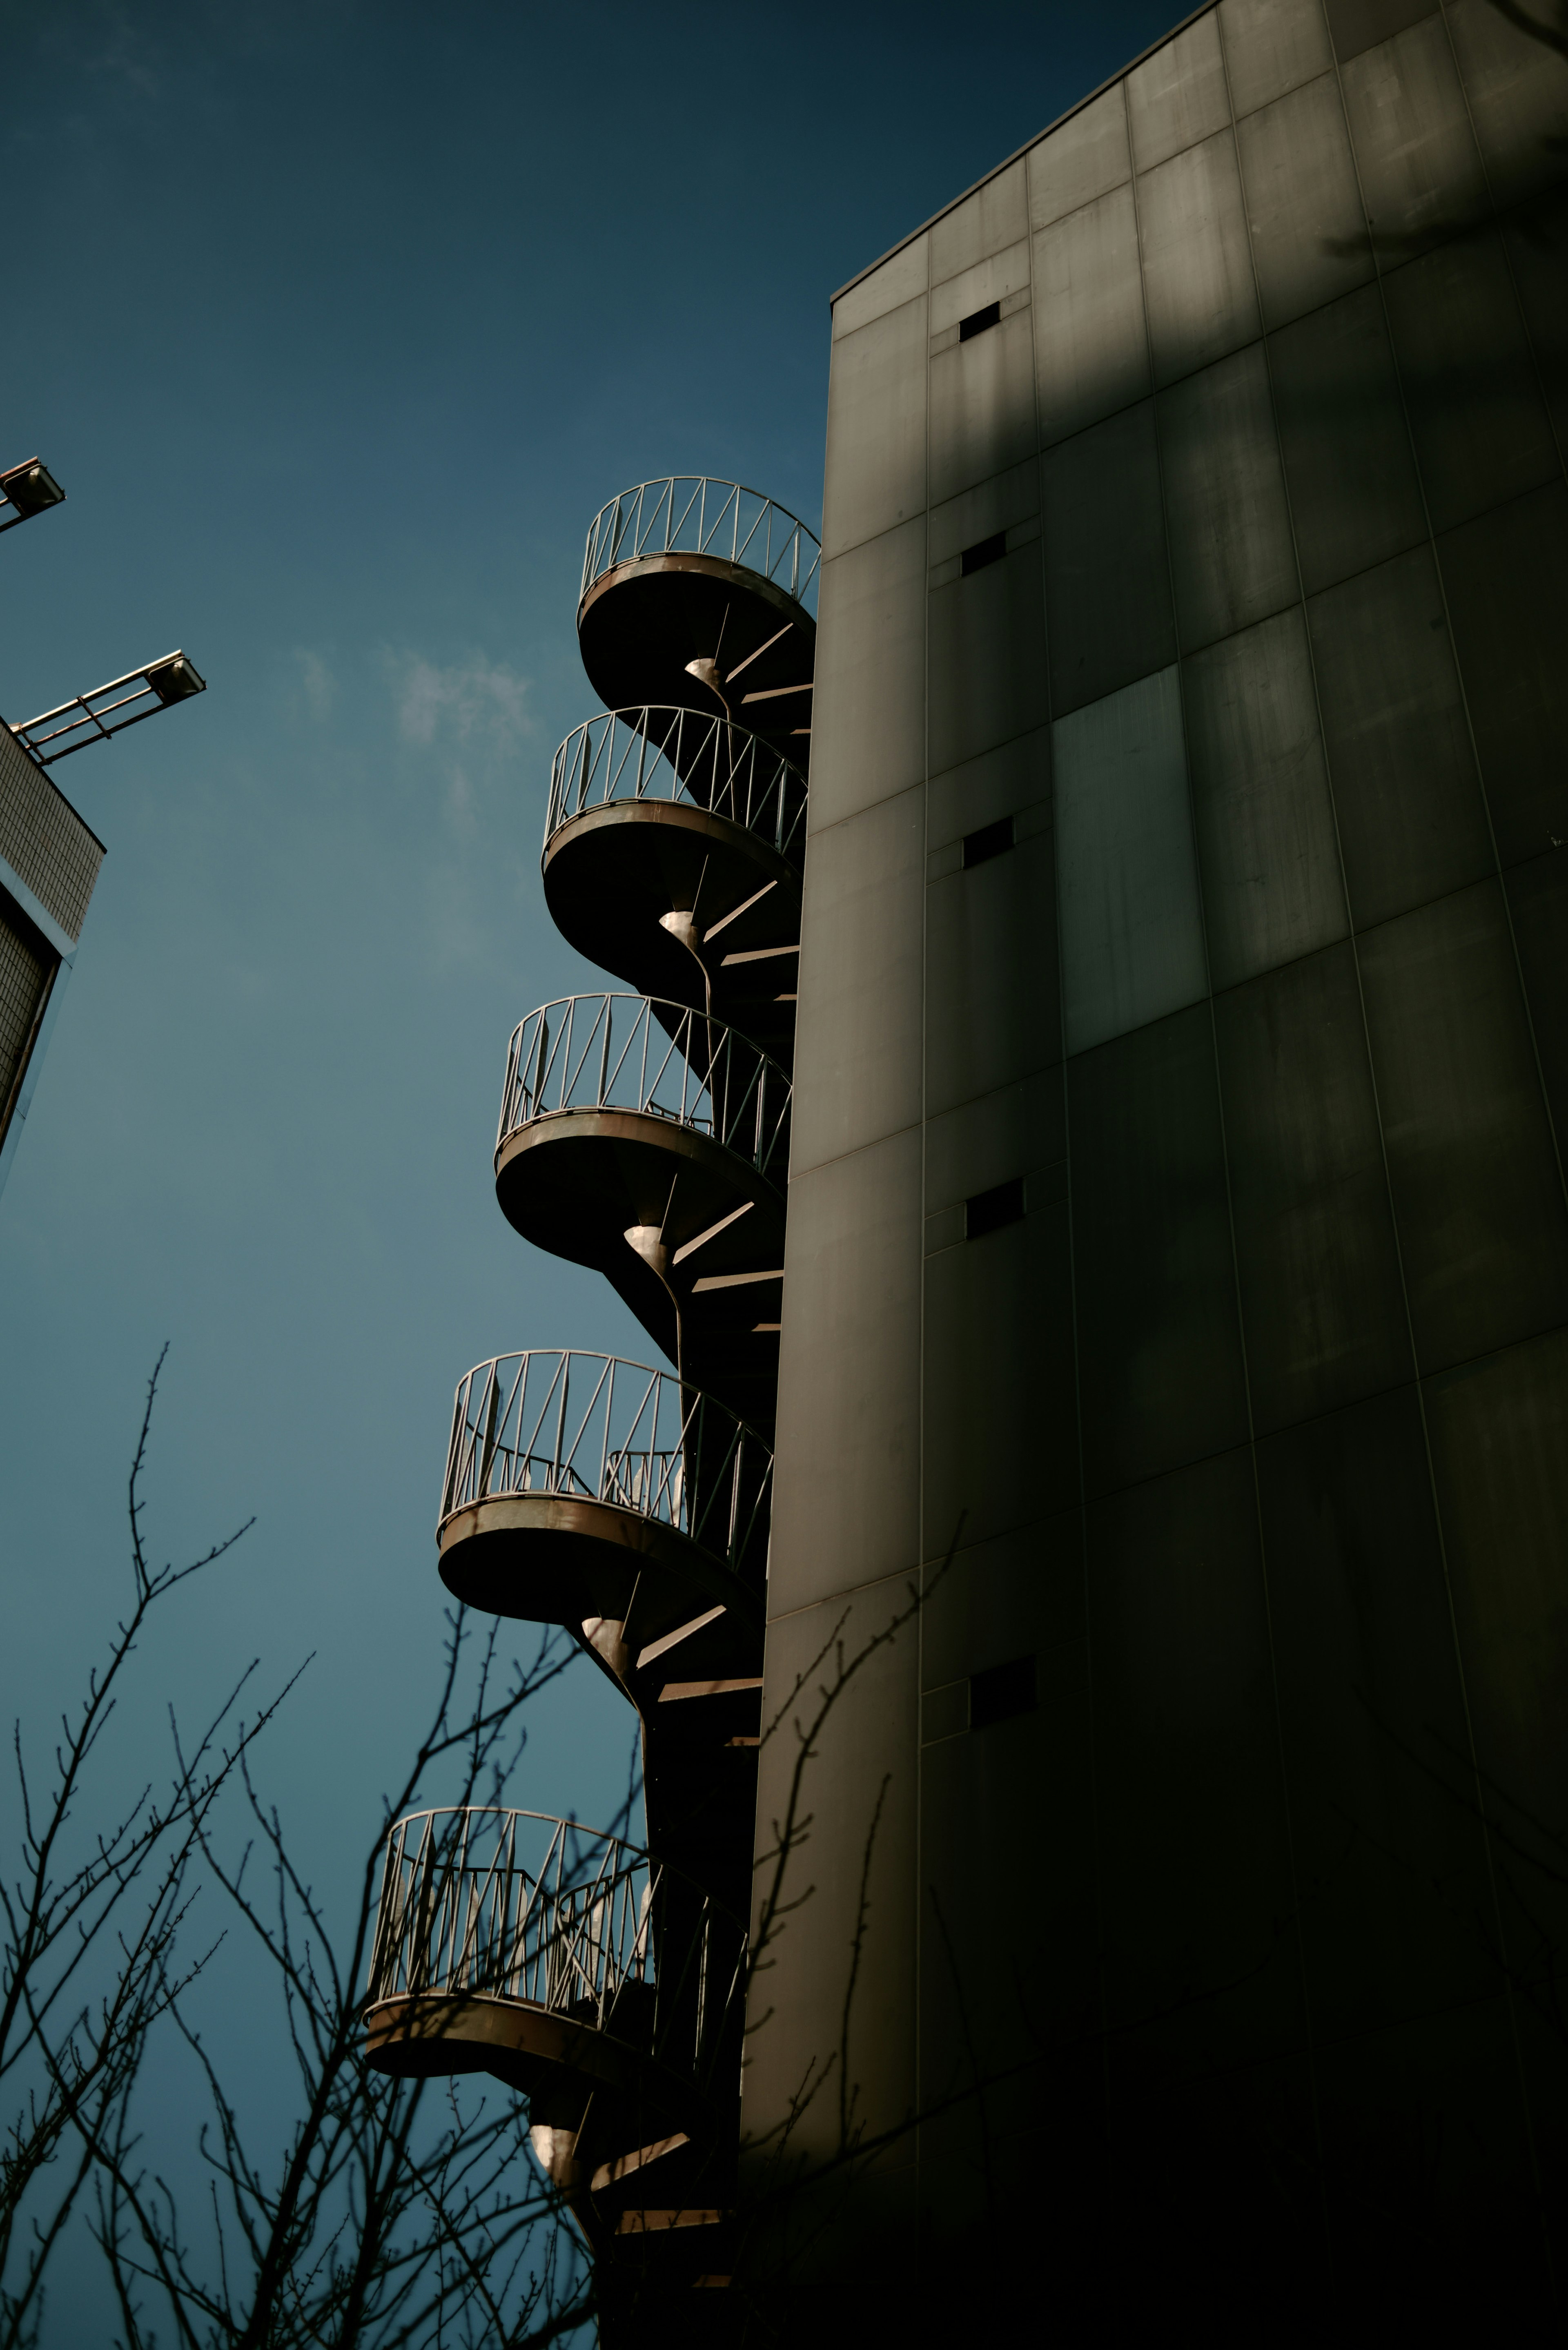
{"x":680,"y":754}
{"x":515,"y":1905}
{"x":595,"y":1428}
{"x":638,"y":1053}
{"x":693,"y":513}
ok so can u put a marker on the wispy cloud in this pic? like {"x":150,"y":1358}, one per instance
{"x":317,"y":683}
{"x":476,"y":700}
{"x":122,"y":55}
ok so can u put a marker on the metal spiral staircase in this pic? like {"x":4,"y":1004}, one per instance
{"x":646,"y":1135}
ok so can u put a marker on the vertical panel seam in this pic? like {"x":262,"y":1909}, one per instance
{"x":918,"y":1922}
{"x":1095,"y":1841}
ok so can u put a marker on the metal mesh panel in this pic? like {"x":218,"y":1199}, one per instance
{"x":24,"y":979}
{"x":42,"y":840}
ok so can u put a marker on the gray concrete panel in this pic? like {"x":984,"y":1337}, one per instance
{"x":1177,"y":95}
{"x":1267,"y":852}
{"x":1420,"y":174}
{"x":1537,"y":894}
{"x":987,"y":659}
{"x":1091,"y":351}
{"x":1358,"y":25}
{"x":998,"y":1343}
{"x":1517,"y":89}
{"x":1194,"y":1840}
{"x":1537,"y":241}
{"x":983,"y":406}
{"x":858,"y":1018}
{"x":1322,"y":1304}
{"x":979,"y":2024}
{"x":1507,"y":581}
{"x":997,"y":215}
{"x":1501,"y":1471}
{"x":1107,"y":590}
{"x":1468,"y":2229}
{"x":1272,"y":47}
{"x":847,"y":1488}
{"x":1014,"y":1596}
{"x":1477,"y":1191}
{"x":997,"y":503}
{"x":1020,"y":1129}
{"x":1088,"y":156}
{"x":992,"y":1010}
{"x":1231,"y":557}
{"x":1355,"y":497}
{"x":1003,"y":782}
{"x":1132,"y":939}
{"x":1159,"y":1344}
{"x":1412,"y":822}
{"x":875,"y":471}
{"x":1393,"y":1870}
{"x":992,"y":279}
{"x":1480,"y":428}
{"x":1465,"y":2232}
{"x":868,"y":731}
{"x":1198,"y":267}
{"x":859,"y":1787}
{"x":1309,"y":233}
{"x":897,"y":281}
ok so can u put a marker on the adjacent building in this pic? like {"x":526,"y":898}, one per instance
{"x":48,"y":856}
{"x":48,"y":864}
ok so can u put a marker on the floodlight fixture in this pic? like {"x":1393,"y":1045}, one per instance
{"x":85,"y":717}
{"x":28,"y":490}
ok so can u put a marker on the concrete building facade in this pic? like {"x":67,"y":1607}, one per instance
{"x":1162,"y":1816}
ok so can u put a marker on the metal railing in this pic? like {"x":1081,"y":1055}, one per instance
{"x":641,"y":1053}
{"x":657,"y":753}
{"x":692,"y":514}
{"x":513,"y":1905}
{"x":603,"y":1430}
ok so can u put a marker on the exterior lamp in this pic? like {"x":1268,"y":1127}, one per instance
{"x":85,"y":717}
{"x":28,"y":490}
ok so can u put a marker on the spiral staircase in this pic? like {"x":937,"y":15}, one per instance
{"x":646,"y":1134}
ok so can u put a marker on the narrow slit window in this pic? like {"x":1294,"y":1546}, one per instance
{"x":977,"y":320}
{"x":984,"y":551}
{"x":991,"y":840}
{"x":987,"y":1212}
{"x":1002,"y":1691}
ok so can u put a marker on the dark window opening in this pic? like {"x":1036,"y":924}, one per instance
{"x":977,"y":320}
{"x":984,"y":551}
{"x":1001,"y":1691}
{"x":991,"y":840}
{"x":989,"y":1210}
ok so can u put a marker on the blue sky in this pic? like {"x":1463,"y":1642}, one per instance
{"x":338,"y":323}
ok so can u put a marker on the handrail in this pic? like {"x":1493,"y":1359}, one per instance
{"x":519,"y":1906}
{"x":599,"y":1428}
{"x":610,"y":1052}
{"x":695,"y":514}
{"x":657,"y":753}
